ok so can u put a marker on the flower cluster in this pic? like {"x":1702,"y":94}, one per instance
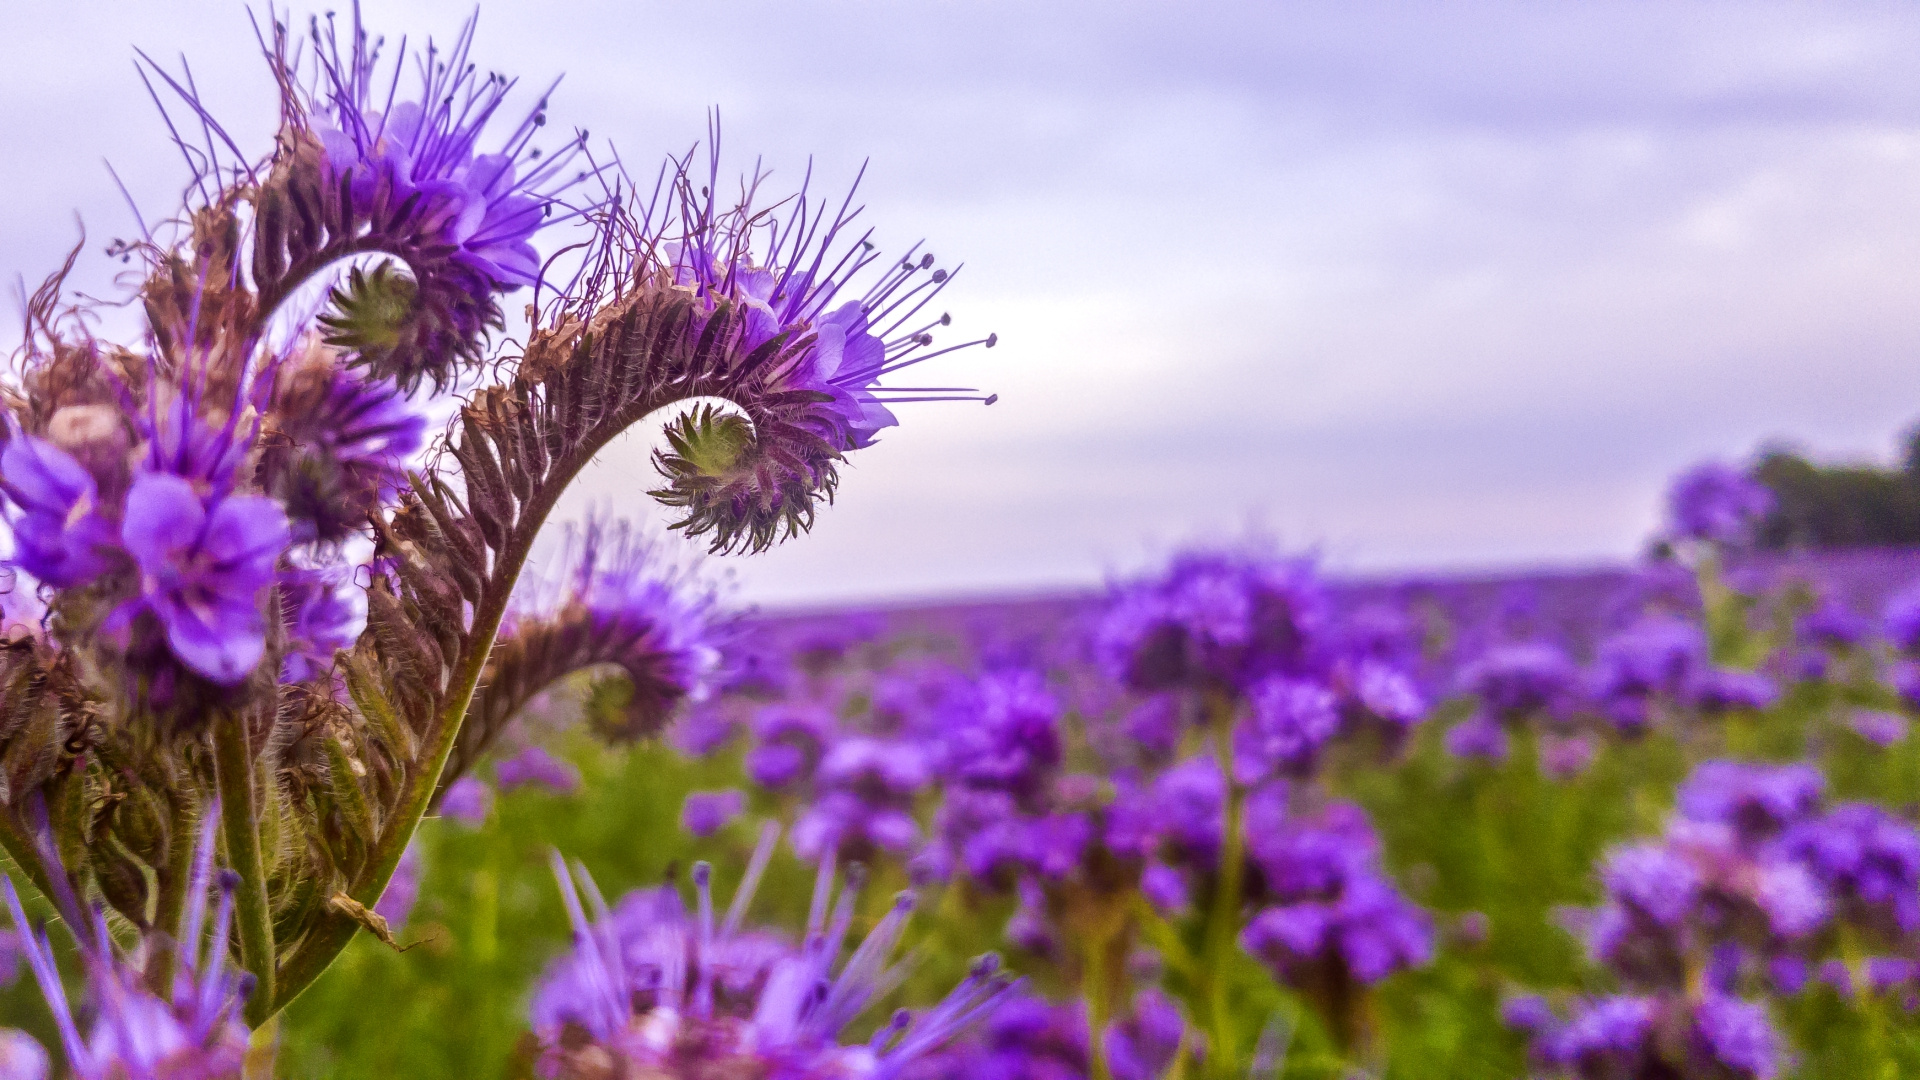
{"x":649,"y":990}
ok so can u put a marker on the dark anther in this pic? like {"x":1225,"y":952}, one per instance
{"x":946,"y":319}
{"x":992,"y":340}
{"x":939,"y":276}
{"x":926,"y":260}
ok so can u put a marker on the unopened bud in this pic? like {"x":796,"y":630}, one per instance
{"x":96,"y":437}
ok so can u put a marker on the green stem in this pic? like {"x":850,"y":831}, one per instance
{"x":1223,"y":922}
{"x":172,"y":905}
{"x":26,"y":855}
{"x":233,"y":773}
{"x":1102,"y":983}
{"x":317,"y":951}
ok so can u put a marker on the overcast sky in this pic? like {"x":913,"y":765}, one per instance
{"x":1422,"y":286}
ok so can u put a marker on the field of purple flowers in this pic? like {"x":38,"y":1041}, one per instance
{"x":304,"y":772}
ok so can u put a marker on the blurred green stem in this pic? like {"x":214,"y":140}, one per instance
{"x":233,"y":773}
{"x":1223,"y":922}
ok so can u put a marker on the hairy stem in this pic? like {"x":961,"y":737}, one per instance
{"x":1223,"y":922}
{"x":325,"y":942}
{"x":233,"y":773}
{"x":26,"y":855}
{"x":172,"y":905}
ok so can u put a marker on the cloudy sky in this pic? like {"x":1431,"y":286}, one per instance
{"x":1422,"y":286}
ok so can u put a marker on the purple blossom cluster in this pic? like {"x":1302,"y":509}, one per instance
{"x":1638,"y":1036}
{"x":191,"y":1029}
{"x":650,"y":989}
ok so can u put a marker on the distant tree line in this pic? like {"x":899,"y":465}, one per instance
{"x":1840,"y":505}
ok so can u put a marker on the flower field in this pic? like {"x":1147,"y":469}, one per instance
{"x":325,"y":753}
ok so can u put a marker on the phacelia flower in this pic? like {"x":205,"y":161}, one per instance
{"x":467,"y":801}
{"x":1480,"y":735}
{"x":1757,"y":800}
{"x":790,"y":739}
{"x":420,"y":157}
{"x":192,"y":1031}
{"x":1867,"y":859}
{"x":864,"y":799}
{"x":1723,"y":690}
{"x":1521,"y":678}
{"x":1008,"y":737}
{"x":1143,"y":1045}
{"x":1214,"y":620}
{"x":202,"y":569}
{"x":1716,"y":502}
{"x":1901,"y":619}
{"x":319,"y":618}
{"x":536,"y":766}
{"x":794,"y":286}
{"x":653,"y":994}
{"x":338,"y":443}
{"x":707,"y":812}
{"x":59,"y":533}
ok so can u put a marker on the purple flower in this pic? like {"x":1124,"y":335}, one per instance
{"x":1155,"y":726}
{"x":319,"y":620}
{"x":649,"y":991}
{"x":1565,"y":758}
{"x":1832,"y":624}
{"x":1737,"y":1036}
{"x":1191,"y":799}
{"x":419,"y":158}
{"x":865,"y":799}
{"x":790,"y":738}
{"x":1656,"y":656}
{"x":707,"y":812}
{"x":59,"y":534}
{"x":1371,"y":930}
{"x":1009,"y":738}
{"x":1164,"y":887}
{"x":1221,"y":620}
{"x":1723,"y":690}
{"x":1867,"y":858}
{"x":536,"y":766}
{"x":396,"y":903}
{"x":21,"y":1058}
{"x":1527,"y":1013}
{"x":467,"y":801}
{"x":1609,"y":1037}
{"x":1478,"y":736}
{"x":194,"y":1030}
{"x":1522,"y":678}
{"x":847,"y":346}
{"x":1758,"y":801}
{"x":202,"y":568}
{"x":1901,"y":620}
{"x":1382,"y":691}
{"x":1716,"y":502}
{"x":340,"y":443}
{"x":1292,"y":719}
{"x":1143,"y":1045}
{"x":1878,"y":727}
{"x":1653,"y":881}
{"x":1788,"y":974}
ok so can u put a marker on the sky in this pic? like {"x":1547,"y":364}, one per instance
{"x":1418,"y":286}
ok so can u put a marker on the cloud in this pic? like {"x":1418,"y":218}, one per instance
{"x":1421,"y":283}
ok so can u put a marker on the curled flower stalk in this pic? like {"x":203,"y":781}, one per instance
{"x":267,"y":585}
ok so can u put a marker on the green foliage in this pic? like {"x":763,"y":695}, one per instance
{"x":1840,"y":505}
